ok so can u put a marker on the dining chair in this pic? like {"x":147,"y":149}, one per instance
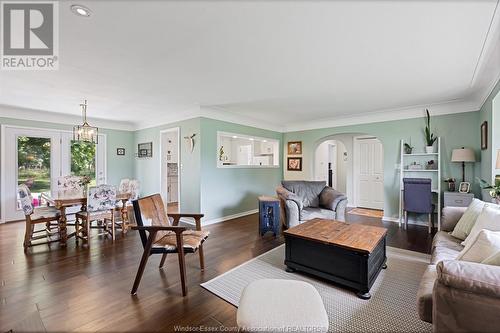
{"x":124,"y":185}
{"x":122,"y":220}
{"x":159,"y":236}
{"x":417,"y":198}
{"x":101,"y":202}
{"x":35,"y":216}
{"x":69,"y":183}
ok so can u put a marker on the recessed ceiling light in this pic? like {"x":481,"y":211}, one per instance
{"x":235,"y":137}
{"x":251,"y":139}
{"x":81,"y":10}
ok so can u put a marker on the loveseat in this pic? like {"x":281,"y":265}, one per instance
{"x":458,"y":296}
{"x":305,"y":200}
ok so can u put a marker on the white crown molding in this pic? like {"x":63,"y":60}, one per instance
{"x":378,"y":116}
{"x":15,"y":112}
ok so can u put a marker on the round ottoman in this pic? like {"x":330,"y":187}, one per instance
{"x":272,"y":305}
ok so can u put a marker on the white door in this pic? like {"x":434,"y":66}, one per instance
{"x":370,"y":177}
{"x":30,"y":157}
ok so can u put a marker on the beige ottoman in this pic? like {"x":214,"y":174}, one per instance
{"x":272,"y":305}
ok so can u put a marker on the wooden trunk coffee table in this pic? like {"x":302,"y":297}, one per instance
{"x":348,"y":254}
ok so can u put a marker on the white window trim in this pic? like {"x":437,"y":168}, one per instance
{"x":245,"y":136}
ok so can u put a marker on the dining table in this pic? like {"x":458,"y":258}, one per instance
{"x":63,"y":199}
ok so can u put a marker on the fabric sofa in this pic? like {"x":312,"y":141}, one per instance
{"x":458,"y":296}
{"x":305,"y":200}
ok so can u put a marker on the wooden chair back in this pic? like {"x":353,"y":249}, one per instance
{"x":150,"y":211}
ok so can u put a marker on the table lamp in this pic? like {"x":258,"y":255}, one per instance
{"x":463,"y":155}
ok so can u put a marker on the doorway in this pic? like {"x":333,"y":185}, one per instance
{"x":37,"y":157}
{"x":369,"y":172}
{"x":170,"y":169}
{"x":331,"y":164}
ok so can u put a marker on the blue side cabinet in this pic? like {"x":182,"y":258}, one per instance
{"x":269,"y":215}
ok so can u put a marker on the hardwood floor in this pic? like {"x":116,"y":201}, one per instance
{"x":76,"y":289}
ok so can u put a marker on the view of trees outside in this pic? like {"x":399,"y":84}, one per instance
{"x":83,"y":160}
{"x":34,"y":162}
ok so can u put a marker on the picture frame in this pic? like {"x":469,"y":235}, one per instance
{"x":120,"y":151}
{"x":295,"y":148}
{"x":294,"y":164}
{"x":145,"y":150}
{"x":464,"y":187}
{"x":484,"y":135}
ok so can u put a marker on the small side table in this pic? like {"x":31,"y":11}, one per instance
{"x":269,"y":215}
{"x":457,"y":199}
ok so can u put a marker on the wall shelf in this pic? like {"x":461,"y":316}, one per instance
{"x":434,"y":174}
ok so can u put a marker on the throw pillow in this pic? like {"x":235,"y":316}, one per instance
{"x":494,"y":259}
{"x":467,"y":221}
{"x":481,"y":247}
{"x":488,"y":219}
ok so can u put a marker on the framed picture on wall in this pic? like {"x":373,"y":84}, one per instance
{"x":484,"y":135}
{"x":295,"y":148}
{"x":120,"y":151}
{"x":294,"y":164}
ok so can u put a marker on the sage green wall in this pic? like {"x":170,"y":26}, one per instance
{"x":455,"y":130}
{"x":148,"y":170}
{"x":117,"y":167}
{"x":228,"y":191}
{"x":490,"y":112}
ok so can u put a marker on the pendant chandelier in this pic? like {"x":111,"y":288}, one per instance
{"x":85,"y":132}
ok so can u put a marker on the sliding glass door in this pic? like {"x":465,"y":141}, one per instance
{"x":36,"y":158}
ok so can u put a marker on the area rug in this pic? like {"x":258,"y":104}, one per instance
{"x":367,"y":212}
{"x":392,"y":307}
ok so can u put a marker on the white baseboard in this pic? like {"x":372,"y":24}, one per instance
{"x":221,"y":219}
{"x":410,"y":220}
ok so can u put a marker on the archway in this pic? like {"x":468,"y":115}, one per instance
{"x":354,"y":164}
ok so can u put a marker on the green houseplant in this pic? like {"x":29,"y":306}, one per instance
{"x":429,"y":136}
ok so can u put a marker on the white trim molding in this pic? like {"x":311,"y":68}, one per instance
{"x":221,"y":219}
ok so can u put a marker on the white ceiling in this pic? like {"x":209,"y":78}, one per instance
{"x":275,"y":64}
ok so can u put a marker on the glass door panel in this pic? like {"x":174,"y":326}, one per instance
{"x":33,"y":166}
{"x":31,"y":157}
{"x":83,"y":160}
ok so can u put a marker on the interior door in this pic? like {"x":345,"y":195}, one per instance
{"x":370,"y":178}
{"x":31,"y":157}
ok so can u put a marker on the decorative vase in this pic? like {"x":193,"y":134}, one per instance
{"x":451,"y":187}
{"x":429,"y":149}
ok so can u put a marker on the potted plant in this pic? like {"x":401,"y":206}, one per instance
{"x":451,"y":184}
{"x":492,"y":190}
{"x":408,"y":148}
{"x":429,"y":137}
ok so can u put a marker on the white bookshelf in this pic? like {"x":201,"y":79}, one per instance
{"x":434,"y":174}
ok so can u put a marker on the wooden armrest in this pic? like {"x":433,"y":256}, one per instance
{"x":177,"y":216}
{"x":156,"y":228}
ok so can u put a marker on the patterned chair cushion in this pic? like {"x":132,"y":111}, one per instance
{"x":192,"y":240}
{"x":102,"y":197}
{"x":25,"y":199}
{"x":69,"y":183}
{"x":124,"y":185}
{"x":134,"y":188}
{"x":45,"y":212}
